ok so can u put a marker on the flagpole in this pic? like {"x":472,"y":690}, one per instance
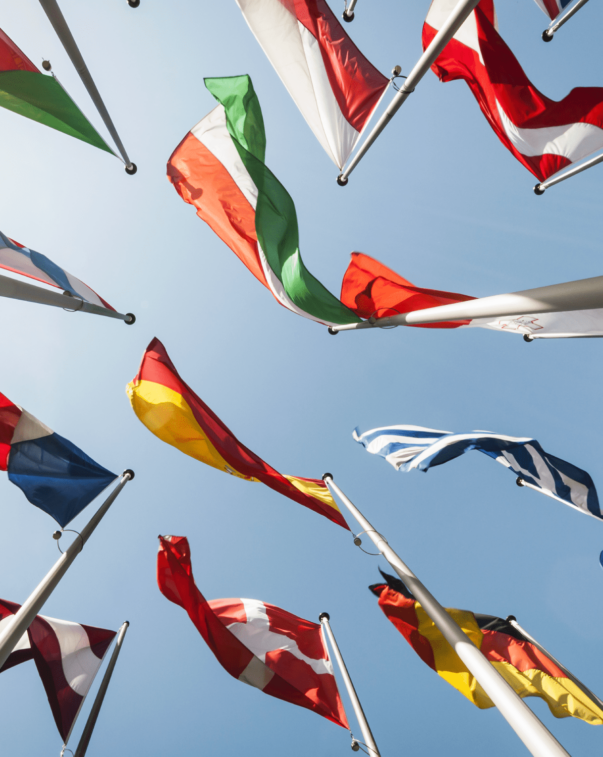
{"x":540,"y":188}
{"x":513,"y":621}
{"x":534,"y":734}
{"x":547,"y":34}
{"x":584,"y":294}
{"x":82,"y":747}
{"x":24,"y":617}
{"x":21,"y":290}
{"x":348,"y":14}
{"x":450,"y":27}
{"x":56,"y":18}
{"x":367,"y":734}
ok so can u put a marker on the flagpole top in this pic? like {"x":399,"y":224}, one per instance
{"x":341,"y":180}
{"x":332,"y":331}
{"x":527,"y":338}
{"x":324,"y":616}
{"x":519,"y":481}
{"x":547,"y":36}
{"x":327,"y":475}
{"x":349,"y":17}
{"x":539,"y":189}
{"x":130,"y":473}
{"x":130,"y":319}
{"x":131,"y":168}
{"x":509,"y":618}
{"x":133,"y":3}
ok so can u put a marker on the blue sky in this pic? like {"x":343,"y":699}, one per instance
{"x":439,"y":200}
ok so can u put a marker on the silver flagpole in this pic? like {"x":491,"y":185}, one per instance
{"x":536,"y":737}
{"x":20,"y":290}
{"x":513,"y":621}
{"x":367,"y":734}
{"x":453,"y":23}
{"x":348,"y":14}
{"x":82,"y":747}
{"x":547,"y":34}
{"x":559,"y":177}
{"x":34,"y":603}
{"x":56,"y":18}
{"x":584,"y":294}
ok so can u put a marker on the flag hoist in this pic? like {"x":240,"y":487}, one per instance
{"x":532,"y":732}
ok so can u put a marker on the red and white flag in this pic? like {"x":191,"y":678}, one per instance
{"x":543,"y":134}
{"x":260,"y":644}
{"x":67,"y":656}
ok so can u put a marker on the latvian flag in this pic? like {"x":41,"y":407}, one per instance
{"x":543,"y":134}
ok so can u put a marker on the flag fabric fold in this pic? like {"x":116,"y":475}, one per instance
{"x":332,"y":83}
{"x":543,"y":134}
{"x":67,"y":656}
{"x":416,"y":447}
{"x":169,"y":408}
{"x":530,"y":672}
{"x":255,"y":642}
{"x":219,"y":168}
{"x":51,"y":471}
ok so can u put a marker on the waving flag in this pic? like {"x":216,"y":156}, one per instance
{"x":173,"y":412}
{"x":543,"y":134}
{"x":552,"y":8}
{"x":335,"y":87}
{"x":19,"y":259}
{"x":257,"y":643}
{"x":408,"y":447}
{"x":530,"y":672}
{"x":219,"y":168}
{"x":67,"y":656}
{"x":53,"y":473}
{"x":27,"y":91}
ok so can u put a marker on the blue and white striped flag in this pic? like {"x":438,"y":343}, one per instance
{"x":408,"y":447}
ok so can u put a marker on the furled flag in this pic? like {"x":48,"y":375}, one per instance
{"x":51,"y":471}
{"x":16,"y":258}
{"x":219,"y":169}
{"x":27,"y":91}
{"x":409,"y":447}
{"x":530,"y":672}
{"x":257,"y":643}
{"x":543,"y":134}
{"x":552,"y":8}
{"x":335,"y":87}
{"x":172,"y":411}
{"x":67,"y":656}
{"x":371,"y":289}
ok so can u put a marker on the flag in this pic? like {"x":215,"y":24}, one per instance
{"x":219,"y":169}
{"x":530,"y":672}
{"x":27,"y":91}
{"x":415,"y":447}
{"x":67,"y":656}
{"x":335,"y":87}
{"x":16,"y":258}
{"x":51,"y":471}
{"x":552,"y":8}
{"x":257,"y":643}
{"x":173,"y":412}
{"x":371,"y":289}
{"x":541,"y":133}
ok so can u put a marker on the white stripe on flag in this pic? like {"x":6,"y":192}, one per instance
{"x":80,"y":664}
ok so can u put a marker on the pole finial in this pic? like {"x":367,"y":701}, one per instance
{"x":547,"y":36}
{"x":130,"y":319}
{"x":332,"y":331}
{"x":341,"y":180}
{"x":539,"y":189}
{"x":131,"y":169}
{"x":129,"y":473}
{"x":327,"y":475}
{"x":324,"y":616}
{"x":509,"y":618}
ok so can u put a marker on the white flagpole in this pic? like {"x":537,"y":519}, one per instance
{"x":34,"y":603}
{"x":584,"y":294}
{"x":348,"y":14}
{"x":540,"y":188}
{"x":21,"y":290}
{"x":534,"y":734}
{"x":56,"y":18}
{"x":82,"y":747}
{"x":453,"y":23}
{"x":367,"y":734}
{"x":547,"y":34}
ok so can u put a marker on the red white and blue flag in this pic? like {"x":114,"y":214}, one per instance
{"x":553,"y":8}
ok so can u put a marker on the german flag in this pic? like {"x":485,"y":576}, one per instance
{"x":530,"y":672}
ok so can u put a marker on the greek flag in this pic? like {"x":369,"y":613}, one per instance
{"x":408,"y":447}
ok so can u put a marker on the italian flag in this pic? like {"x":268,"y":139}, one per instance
{"x":27,"y":91}
{"x":219,"y":169}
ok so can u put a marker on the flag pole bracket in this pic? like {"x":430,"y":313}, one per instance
{"x":358,"y":542}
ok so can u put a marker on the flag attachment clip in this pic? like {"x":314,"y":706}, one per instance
{"x":358,"y":542}
{"x":57,"y":535}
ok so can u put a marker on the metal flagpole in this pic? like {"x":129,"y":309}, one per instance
{"x":98,"y":702}
{"x":452,"y":24}
{"x":20,"y":290}
{"x":584,"y":294}
{"x":348,"y":14}
{"x":536,"y":737}
{"x":547,"y":34}
{"x":367,"y":734}
{"x":56,"y":18}
{"x":513,"y":621}
{"x":34,"y":603}
{"x":559,"y":177}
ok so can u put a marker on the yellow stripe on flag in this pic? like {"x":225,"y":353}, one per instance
{"x":313,"y":489}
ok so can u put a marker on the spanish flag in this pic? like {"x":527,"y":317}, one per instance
{"x":530,"y":672}
{"x":172,"y":411}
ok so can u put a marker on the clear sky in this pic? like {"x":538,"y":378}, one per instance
{"x":440,"y":201}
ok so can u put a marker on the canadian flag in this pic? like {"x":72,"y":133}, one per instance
{"x":543,"y":134}
{"x":260,"y":644}
{"x":67,"y":656}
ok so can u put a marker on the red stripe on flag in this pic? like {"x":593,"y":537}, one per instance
{"x":9,"y":418}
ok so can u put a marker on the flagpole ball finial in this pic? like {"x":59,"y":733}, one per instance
{"x":539,"y":189}
{"x":132,"y":168}
{"x":130,"y":473}
{"x":528,"y":338}
{"x":349,"y":17}
{"x":57,"y":535}
{"x":327,"y":475}
{"x":547,"y":36}
{"x":519,"y":481}
{"x":130,"y":319}
{"x":332,"y":331}
{"x":324,"y":616}
{"x":133,"y":3}
{"x":46,"y":65}
{"x":510,"y":618}
{"x":341,"y":180}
